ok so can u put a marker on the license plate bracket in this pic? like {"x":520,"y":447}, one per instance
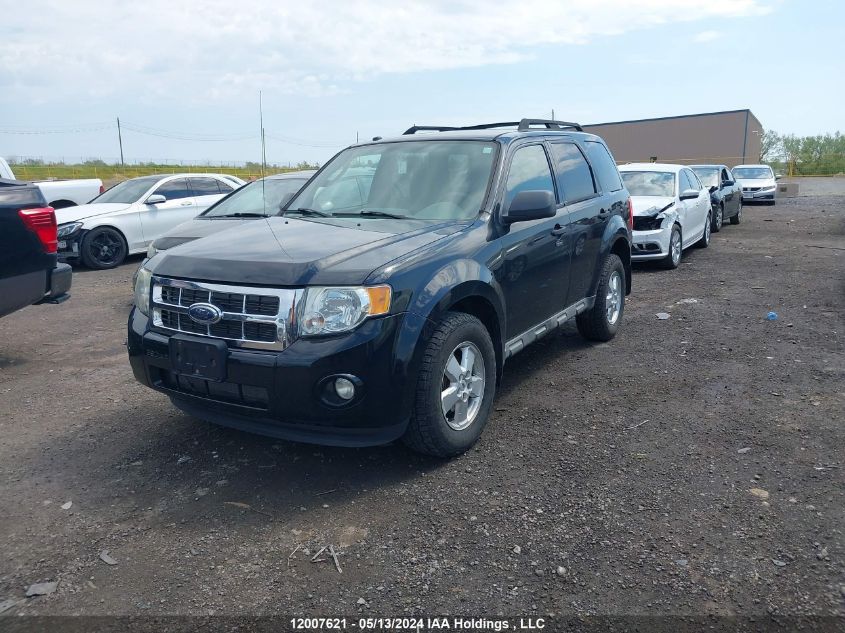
{"x":198,"y":358}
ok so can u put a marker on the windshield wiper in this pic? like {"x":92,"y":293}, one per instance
{"x":380,"y":214}
{"x":321,"y":214}
{"x":239,"y":214}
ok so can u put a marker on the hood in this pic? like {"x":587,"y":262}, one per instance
{"x":650,"y":205}
{"x":289,"y":252}
{"x":760,"y":183}
{"x":74,"y":214}
{"x":197,"y":228}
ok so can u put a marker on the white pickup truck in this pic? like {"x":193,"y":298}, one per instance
{"x":61,"y":193}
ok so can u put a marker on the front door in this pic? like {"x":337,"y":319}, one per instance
{"x":534,"y":272}
{"x":179,"y":206}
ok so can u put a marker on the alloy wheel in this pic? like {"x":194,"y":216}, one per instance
{"x":613,"y":300}
{"x":675,"y":247}
{"x":462,"y":387}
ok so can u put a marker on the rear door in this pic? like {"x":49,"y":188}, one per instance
{"x":534,"y":273}
{"x":179,"y":206}
{"x":732,"y":192}
{"x":207,"y":191}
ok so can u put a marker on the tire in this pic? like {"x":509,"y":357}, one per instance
{"x":440,"y":433}
{"x":601,"y":322}
{"x":704,"y":242}
{"x":736,"y":219}
{"x":718,"y":218}
{"x":673,"y":258}
{"x":103,"y":248}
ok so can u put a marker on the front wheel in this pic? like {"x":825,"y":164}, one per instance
{"x":455,"y":388}
{"x":601,"y":322}
{"x":103,"y":248}
{"x":718,"y":218}
{"x":673,"y":257}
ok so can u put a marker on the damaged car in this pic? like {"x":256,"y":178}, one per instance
{"x":671,"y":211}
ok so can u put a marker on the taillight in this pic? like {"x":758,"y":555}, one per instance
{"x":630,"y":215}
{"x":42,"y":222}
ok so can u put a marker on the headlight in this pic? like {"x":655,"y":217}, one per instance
{"x":333,"y":310}
{"x":151,"y":251}
{"x":66,"y":230}
{"x":142,"y":291}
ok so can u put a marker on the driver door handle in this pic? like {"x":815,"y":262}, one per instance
{"x":185,"y":204}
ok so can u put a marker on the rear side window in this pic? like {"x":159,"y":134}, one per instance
{"x":573,"y":173}
{"x":529,"y":172}
{"x":205,"y":187}
{"x":604,"y":166}
{"x":175,"y":189}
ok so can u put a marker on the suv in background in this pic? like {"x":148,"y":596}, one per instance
{"x":29,"y":271}
{"x":359,"y":319}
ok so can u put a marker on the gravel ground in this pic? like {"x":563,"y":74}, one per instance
{"x":691,"y":466}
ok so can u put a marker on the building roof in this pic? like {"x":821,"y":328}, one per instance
{"x":668,"y":118}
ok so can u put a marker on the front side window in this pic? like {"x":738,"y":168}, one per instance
{"x":259,"y":198}
{"x":529,"y":171}
{"x":421,"y":180}
{"x":574,"y":176}
{"x":694,"y":182}
{"x":684,"y":181}
{"x":753,"y":173}
{"x":175,"y":189}
{"x":605,"y":168}
{"x":649,"y":183}
{"x":128,"y":191}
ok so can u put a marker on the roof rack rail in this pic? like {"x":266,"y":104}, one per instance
{"x":428,"y":128}
{"x":550,"y":124}
{"x":522,"y":126}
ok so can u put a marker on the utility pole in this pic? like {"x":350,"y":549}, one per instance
{"x":553,"y":114}
{"x":120,"y":142}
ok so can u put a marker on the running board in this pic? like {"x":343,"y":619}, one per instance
{"x":519,"y":343}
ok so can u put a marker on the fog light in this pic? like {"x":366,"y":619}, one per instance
{"x":344,"y":388}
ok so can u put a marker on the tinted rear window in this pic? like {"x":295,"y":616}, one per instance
{"x":603,"y":165}
{"x":574,"y":176}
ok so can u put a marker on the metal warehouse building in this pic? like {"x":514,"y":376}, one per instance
{"x":731,"y":137}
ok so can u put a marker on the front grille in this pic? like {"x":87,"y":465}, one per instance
{"x":251,"y":317}
{"x":646,"y":223}
{"x":751,"y":188}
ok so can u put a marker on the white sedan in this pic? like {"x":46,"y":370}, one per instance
{"x":671,"y":211}
{"x":129,"y":216}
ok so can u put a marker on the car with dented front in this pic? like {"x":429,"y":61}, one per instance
{"x":671,"y":211}
{"x":362,"y":315}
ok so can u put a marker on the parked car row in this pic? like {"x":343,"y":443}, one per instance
{"x":61,"y":193}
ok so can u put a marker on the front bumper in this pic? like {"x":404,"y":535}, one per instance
{"x":652,"y":244}
{"x":69,"y":246}
{"x":279,"y":393}
{"x":766,"y":194}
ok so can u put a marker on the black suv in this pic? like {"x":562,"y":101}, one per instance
{"x":384,"y":299}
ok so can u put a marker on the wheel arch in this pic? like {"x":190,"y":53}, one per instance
{"x":62,"y":203}
{"x":622,"y":249}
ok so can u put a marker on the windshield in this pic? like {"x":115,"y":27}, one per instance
{"x":256,"y":198}
{"x":128,"y":191}
{"x":753,"y":173}
{"x":709,"y":177}
{"x":422,"y":180}
{"x":649,"y":183}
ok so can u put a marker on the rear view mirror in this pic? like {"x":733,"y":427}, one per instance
{"x":285,"y":199}
{"x":689,"y":194}
{"x":156,"y":198}
{"x":531,"y":205}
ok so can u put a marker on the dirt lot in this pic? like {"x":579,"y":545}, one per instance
{"x":691,"y":466}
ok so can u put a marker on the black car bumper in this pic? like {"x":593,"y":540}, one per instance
{"x":284,"y":393}
{"x":41,"y":286}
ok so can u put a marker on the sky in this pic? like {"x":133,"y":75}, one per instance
{"x":184,"y":76}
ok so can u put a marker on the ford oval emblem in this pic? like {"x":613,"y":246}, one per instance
{"x":205,"y":313}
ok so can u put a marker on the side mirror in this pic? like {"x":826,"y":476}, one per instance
{"x":156,"y":198}
{"x":689,"y":194}
{"x":714,"y":188}
{"x":531,"y":205}
{"x":728,"y":183}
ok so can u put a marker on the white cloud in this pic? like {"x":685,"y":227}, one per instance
{"x":707,"y":36}
{"x":215,"y":49}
